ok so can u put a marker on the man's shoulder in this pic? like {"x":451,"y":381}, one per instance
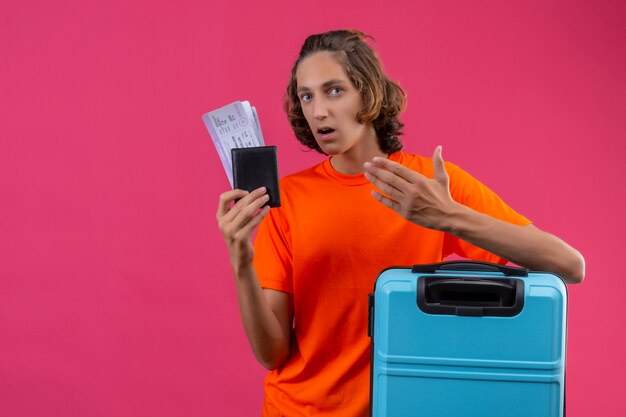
{"x":306,"y":174}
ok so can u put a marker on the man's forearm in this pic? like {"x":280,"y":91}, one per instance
{"x":524,"y":245}
{"x":263,"y":329}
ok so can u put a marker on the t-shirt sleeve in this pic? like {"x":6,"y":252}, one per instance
{"x":272,"y":253}
{"x":467,"y":190}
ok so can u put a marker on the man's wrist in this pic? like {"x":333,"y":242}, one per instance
{"x":458,"y":220}
{"x":242,"y":269}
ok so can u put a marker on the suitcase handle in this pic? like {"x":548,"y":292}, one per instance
{"x":470,"y":266}
{"x":471,"y":296}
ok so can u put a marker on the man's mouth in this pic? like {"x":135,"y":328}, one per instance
{"x":325,"y":130}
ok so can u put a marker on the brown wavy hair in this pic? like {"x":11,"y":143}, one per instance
{"x":383,"y":99}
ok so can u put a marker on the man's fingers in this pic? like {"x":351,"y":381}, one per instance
{"x":246,"y":213}
{"x":246,"y":231}
{"x":226,"y":198}
{"x":386,"y":201}
{"x":390,"y":176}
{"x":438,"y":165}
{"x":383,"y":182}
{"x":398,"y":169}
{"x":243,"y":202}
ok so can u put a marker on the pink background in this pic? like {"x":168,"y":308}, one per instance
{"x":116,"y":297}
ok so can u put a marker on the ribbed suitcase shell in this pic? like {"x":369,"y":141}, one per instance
{"x":433,"y":365}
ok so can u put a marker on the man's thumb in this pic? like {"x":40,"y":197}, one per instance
{"x":440,"y":169}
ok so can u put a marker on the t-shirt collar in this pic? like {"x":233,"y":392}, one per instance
{"x":353,"y":179}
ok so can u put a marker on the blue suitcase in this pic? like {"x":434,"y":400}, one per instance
{"x":467,"y":339}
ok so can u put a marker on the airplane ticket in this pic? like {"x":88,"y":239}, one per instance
{"x":235,"y":125}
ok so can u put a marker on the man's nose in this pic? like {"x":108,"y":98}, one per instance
{"x":319,"y":109}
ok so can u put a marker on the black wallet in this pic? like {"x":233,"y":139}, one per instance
{"x":256,"y":167}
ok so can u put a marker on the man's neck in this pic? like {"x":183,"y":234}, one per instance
{"x":351,"y":162}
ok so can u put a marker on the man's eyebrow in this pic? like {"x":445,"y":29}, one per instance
{"x":324,"y":85}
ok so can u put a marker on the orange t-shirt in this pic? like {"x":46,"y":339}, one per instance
{"x":326,"y":245}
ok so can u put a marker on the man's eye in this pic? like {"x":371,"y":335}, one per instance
{"x":335,"y":90}
{"x":305,"y":97}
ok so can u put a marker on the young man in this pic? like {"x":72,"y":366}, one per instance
{"x":303,"y":287}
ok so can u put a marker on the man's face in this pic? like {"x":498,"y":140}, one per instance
{"x":330,"y":104}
